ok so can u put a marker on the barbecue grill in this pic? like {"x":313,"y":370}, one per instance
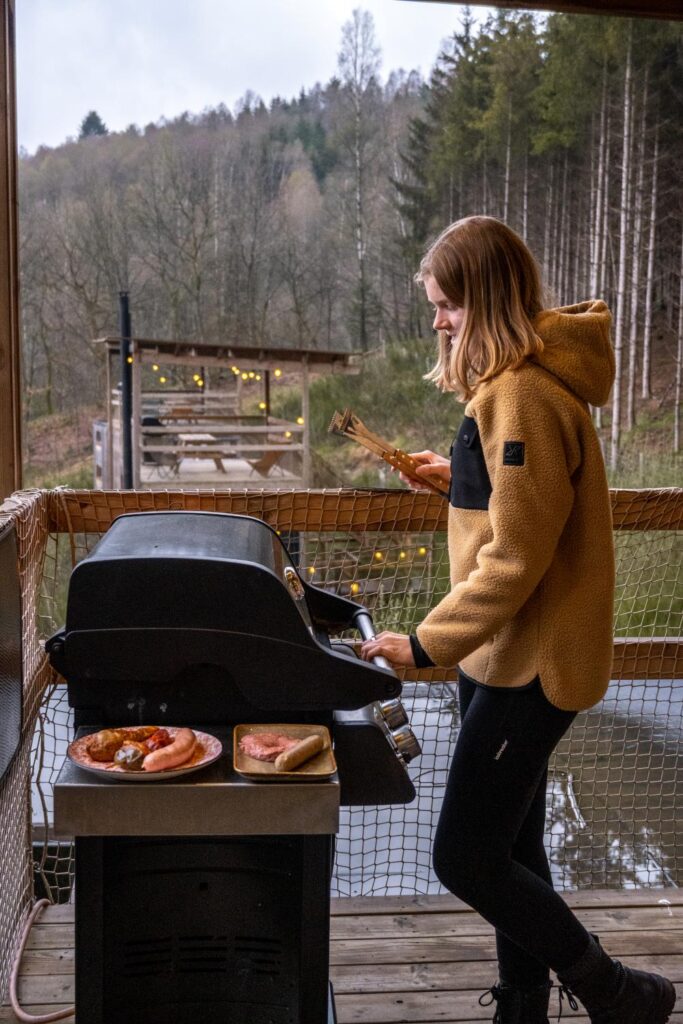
{"x":207,"y":896}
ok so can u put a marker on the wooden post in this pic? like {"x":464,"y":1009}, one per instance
{"x":136,"y":412}
{"x":108,"y":478}
{"x":10,"y":346}
{"x":305,"y":412}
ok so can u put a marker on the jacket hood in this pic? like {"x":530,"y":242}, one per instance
{"x":578,"y":350}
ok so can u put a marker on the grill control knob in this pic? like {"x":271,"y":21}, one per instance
{"x":393,"y":713}
{"x":406,"y":743}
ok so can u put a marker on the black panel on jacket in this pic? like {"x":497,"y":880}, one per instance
{"x":470,"y":482}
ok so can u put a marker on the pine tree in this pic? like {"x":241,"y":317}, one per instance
{"x":92,"y":124}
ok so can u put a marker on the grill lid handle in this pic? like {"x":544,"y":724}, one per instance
{"x":365,"y":626}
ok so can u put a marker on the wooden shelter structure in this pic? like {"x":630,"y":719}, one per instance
{"x":213,"y":426}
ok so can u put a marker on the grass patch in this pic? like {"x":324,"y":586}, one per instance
{"x":79,"y":476}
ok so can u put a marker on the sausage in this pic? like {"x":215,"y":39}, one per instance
{"x":305,"y":749}
{"x":103,"y":745}
{"x":175,"y":754}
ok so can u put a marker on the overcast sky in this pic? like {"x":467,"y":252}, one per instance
{"x":135,"y":61}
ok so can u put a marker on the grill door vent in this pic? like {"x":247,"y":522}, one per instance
{"x":189,"y":954}
{"x":144,"y":958}
{"x":258,"y":955}
{"x":202,"y":954}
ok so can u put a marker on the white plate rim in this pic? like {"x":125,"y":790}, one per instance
{"x":143,"y":776}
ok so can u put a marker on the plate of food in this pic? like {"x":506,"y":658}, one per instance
{"x":146,"y":753}
{"x":283,"y":753}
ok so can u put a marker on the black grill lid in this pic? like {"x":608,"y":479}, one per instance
{"x":170,"y":600}
{"x":187,"y":570}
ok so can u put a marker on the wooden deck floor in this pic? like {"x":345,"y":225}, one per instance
{"x":410,"y":960}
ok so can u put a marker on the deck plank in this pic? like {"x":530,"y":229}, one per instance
{"x":430,"y":977}
{"x":405,"y":978}
{"x":354,"y":906}
{"x":625,"y":944}
{"x":390,"y":926}
{"x":447,"y":1014}
{"x":362,"y":905}
{"x":438,"y":962}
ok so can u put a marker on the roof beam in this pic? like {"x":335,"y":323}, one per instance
{"x":668,"y":10}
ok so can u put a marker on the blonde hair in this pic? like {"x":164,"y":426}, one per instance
{"x":484,"y":267}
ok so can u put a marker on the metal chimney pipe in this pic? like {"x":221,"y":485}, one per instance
{"x":126,"y":391}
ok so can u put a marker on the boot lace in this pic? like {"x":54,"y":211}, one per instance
{"x":493,"y":993}
{"x":566,"y":992}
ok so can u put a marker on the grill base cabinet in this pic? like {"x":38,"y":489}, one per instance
{"x":214,"y":908}
{"x":206,"y":897}
{"x":229,"y":930}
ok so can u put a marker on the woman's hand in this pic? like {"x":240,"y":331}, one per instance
{"x":429,"y":465}
{"x":395,"y":647}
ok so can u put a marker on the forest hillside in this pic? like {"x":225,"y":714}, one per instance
{"x":305,"y":221}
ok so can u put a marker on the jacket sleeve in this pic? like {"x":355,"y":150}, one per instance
{"x":530,"y":452}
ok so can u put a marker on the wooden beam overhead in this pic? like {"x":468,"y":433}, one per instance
{"x":10,"y":362}
{"x":667,"y":10}
{"x":202,"y":353}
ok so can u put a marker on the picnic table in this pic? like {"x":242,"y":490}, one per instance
{"x":193,"y":439}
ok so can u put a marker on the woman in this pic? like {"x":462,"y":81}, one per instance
{"x":529,"y":617}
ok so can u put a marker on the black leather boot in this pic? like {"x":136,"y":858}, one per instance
{"x":614,"y":994}
{"x":519,"y":1006}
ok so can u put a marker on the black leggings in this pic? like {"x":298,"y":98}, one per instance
{"x":489,"y":841}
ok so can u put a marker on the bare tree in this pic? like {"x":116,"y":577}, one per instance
{"x":647,"y":329}
{"x":359,"y":63}
{"x":624,"y":221}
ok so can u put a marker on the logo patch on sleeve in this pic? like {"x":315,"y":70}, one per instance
{"x":513,"y":453}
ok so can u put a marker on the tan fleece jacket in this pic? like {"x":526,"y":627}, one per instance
{"x":530,"y":525}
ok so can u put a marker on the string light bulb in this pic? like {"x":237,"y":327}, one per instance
{"x":155,"y":367}
{"x":251,"y":375}
{"x":378,"y":556}
{"x":354,"y":588}
{"x":311,"y":570}
{"x":129,"y":359}
{"x":245,"y":376}
{"x":402,"y":555}
{"x":195,"y":376}
{"x":288,"y":433}
{"x":200,"y":383}
{"x":278,"y":373}
{"x":262,"y":405}
{"x":162,"y":380}
{"x":300,"y":420}
{"x":422,"y":551}
{"x":258,"y":376}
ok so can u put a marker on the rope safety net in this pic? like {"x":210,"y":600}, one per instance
{"x":615,"y":786}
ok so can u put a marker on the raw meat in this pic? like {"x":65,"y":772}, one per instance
{"x":266,"y":746}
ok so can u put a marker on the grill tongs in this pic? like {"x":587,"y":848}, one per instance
{"x":347,"y":424}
